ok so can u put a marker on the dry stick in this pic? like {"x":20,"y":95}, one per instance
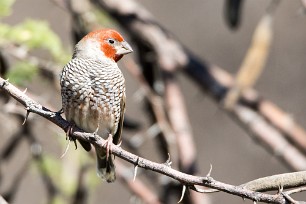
{"x":275,"y":141}
{"x":179,"y":120}
{"x":284,"y":122}
{"x":185,"y":179}
{"x":258,"y":126}
{"x":254,"y":61}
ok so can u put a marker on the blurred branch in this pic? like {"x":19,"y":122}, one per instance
{"x":270,"y":137}
{"x":2,"y":200}
{"x":25,"y":132}
{"x":254,"y":61}
{"x":81,"y":194}
{"x":304,"y":4}
{"x":136,"y":186}
{"x":179,"y":120}
{"x":157,"y":105}
{"x":232,"y":12}
{"x":13,"y":189}
{"x":170,"y":55}
{"x":185,"y":179}
{"x":178,"y":117}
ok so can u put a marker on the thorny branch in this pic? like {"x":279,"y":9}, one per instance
{"x":185,"y":179}
{"x":283,"y":127}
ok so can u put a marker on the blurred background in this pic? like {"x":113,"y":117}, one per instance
{"x":201,"y":26}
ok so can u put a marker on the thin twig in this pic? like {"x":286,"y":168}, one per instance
{"x":297,"y":190}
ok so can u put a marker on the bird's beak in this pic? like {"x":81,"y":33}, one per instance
{"x":124,"y":48}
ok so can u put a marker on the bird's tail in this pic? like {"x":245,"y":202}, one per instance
{"x":105,"y":168}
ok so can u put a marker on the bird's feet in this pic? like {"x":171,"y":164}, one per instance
{"x":107,"y":146}
{"x":61,"y":111}
{"x":69,"y":132}
{"x":69,"y":138}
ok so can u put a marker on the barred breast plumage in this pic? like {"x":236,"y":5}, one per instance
{"x":93,"y":95}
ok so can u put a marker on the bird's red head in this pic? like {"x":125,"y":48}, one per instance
{"x":111,"y":43}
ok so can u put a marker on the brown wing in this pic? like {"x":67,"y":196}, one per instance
{"x":117,"y":136}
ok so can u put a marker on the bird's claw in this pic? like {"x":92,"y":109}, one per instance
{"x":107,"y":146}
{"x":68,"y":134}
{"x":61,"y":111}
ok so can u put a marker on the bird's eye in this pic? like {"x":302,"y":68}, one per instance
{"x":111,"y":41}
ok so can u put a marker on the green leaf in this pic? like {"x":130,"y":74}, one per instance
{"x":5,"y":7}
{"x":22,"y":72}
{"x":35,"y":34}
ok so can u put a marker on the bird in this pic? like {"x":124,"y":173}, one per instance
{"x":93,"y":92}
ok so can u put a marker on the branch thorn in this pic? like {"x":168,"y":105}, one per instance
{"x":168,"y":162}
{"x":25,"y":90}
{"x":5,"y":82}
{"x":135,"y":172}
{"x":75,"y":144}
{"x":61,"y":111}
{"x":183,"y":193}
{"x":209,"y":173}
{"x":280,"y":189}
{"x":27,"y":115}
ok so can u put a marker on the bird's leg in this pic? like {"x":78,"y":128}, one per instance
{"x":107,"y":145}
{"x":69,"y":132}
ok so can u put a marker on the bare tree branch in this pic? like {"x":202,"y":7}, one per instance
{"x":183,"y":178}
{"x":287,"y":180}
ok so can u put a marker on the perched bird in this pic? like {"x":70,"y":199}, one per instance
{"x":93,"y":92}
